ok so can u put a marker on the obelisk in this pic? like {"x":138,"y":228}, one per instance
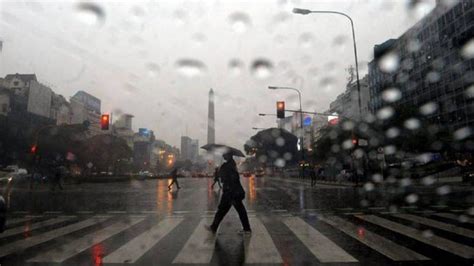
{"x":211,"y":131}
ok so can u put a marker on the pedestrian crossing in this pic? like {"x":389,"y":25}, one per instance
{"x":60,"y":239}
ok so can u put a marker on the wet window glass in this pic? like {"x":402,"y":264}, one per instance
{"x":228,"y":132}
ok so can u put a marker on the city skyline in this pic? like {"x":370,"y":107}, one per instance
{"x":157,"y":89}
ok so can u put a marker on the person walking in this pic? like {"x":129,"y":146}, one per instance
{"x":313,"y":176}
{"x":216,"y":178}
{"x":174,"y":176}
{"x":232,"y":195}
{"x":56,"y":180}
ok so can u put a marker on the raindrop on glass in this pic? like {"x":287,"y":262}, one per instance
{"x":153,"y":69}
{"x":306,"y":40}
{"x":389,"y":62}
{"x":236,"y":67}
{"x":280,"y":141}
{"x":392,"y":132}
{"x":368,"y":186}
{"x":413,"y":45}
{"x":428,"y":180}
{"x":190,"y":67}
{"x":385,"y":113}
{"x":433,"y":77}
{"x":391,"y":95}
{"x":261,"y":68}
{"x":470,"y":92}
{"x":90,"y":13}
{"x":467,"y":51}
{"x":428,"y":108}
{"x":412,"y":123}
{"x":340,"y":40}
{"x":412,"y":198}
{"x":239,"y":22}
{"x":443,"y":190}
{"x":462,"y":133}
{"x":199,"y":38}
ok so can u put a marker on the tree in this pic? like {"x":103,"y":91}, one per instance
{"x":104,"y":152}
{"x":274,"y":145}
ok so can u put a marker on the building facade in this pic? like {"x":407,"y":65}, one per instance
{"x":431,"y":67}
{"x":346,"y":104}
{"x":189,"y":149}
{"x":86,"y":107}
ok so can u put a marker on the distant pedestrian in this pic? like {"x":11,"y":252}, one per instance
{"x":216,"y":178}
{"x":56,"y":180}
{"x":313,"y":175}
{"x":233,"y":195}
{"x":174,"y":176}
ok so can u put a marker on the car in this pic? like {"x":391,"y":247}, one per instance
{"x":145,"y":174}
{"x":3,"y":214}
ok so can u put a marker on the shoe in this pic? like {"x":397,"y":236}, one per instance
{"x":209,"y":228}
{"x":245,"y":232}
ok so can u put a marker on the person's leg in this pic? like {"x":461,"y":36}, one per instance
{"x":171,"y":185}
{"x":177,"y":184}
{"x":212,"y":186}
{"x":244,"y":219}
{"x":219,"y":183}
{"x":222,"y":209}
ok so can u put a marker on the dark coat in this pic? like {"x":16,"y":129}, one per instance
{"x":231,"y":180}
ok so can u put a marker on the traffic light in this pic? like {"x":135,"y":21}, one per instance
{"x":281,"y":109}
{"x":34,"y":149}
{"x":354,"y":141}
{"x":104,"y":122}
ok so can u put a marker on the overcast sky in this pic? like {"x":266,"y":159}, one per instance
{"x":157,"y":60}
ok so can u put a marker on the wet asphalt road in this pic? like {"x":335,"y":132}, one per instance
{"x":142,"y":223}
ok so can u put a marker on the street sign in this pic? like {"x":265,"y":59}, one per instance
{"x":363,"y":142}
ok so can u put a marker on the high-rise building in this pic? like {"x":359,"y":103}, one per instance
{"x":86,"y":107}
{"x":189,"y":149}
{"x":211,"y":131}
{"x":431,"y":68}
{"x":123,"y":128}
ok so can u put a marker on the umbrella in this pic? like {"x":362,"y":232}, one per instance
{"x":220,"y":148}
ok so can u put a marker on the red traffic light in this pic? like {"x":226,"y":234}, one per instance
{"x":281,"y":109}
{"x":104,"y":122}
{"x":34,"y":149}
{"x":354,"y":141}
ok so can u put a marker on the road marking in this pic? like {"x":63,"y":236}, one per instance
{"x":279,"y":210}
{"x":52,"y":212}
{"x":19,"y":220}
{"x":200,"y":246}
{"x":27,"y":228}
{"x":440,"y":225}
{"x":409,"y":207}
{"x":116,"y":212}
{"x":149,"y":212}
{"x":455,"y":217}
{"x":70,"y":249}
{"x":435,"y":241}
{"x":23,"y":244}
{"x":134,"y":249}
{"x":353,"y":213}
{"x":180,"y":212}
{"x":20,"y":212}
{"x":377,"y":208}
{"x":374,"y":241}
{"x":259,"y":246}
{"x":84,"y":212}
{"x":322,"y":247}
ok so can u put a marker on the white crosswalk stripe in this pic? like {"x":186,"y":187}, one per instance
{"x":134,"y":249}
{"x":374,"y":241}
{"x":440,"y":225}
{"x":68,"y":250}
{"x":259,"y":246}
{"x":29,"y":227}
{"x":322,"y":247}
{"x":200,"y":246}
{"x":20,"y":220}
{"x":435,"y":241}
{"x":455,"y":217}
{"x":23,"y":244}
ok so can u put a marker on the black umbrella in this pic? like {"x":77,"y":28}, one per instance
{"x":220,"y":148}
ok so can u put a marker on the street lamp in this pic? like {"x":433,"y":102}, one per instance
{"x":301,"y":114}
{"x":307,"y":11}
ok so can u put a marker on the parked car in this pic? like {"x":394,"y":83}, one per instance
{"x":3,"y":214}
{"x":145,"y":174}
